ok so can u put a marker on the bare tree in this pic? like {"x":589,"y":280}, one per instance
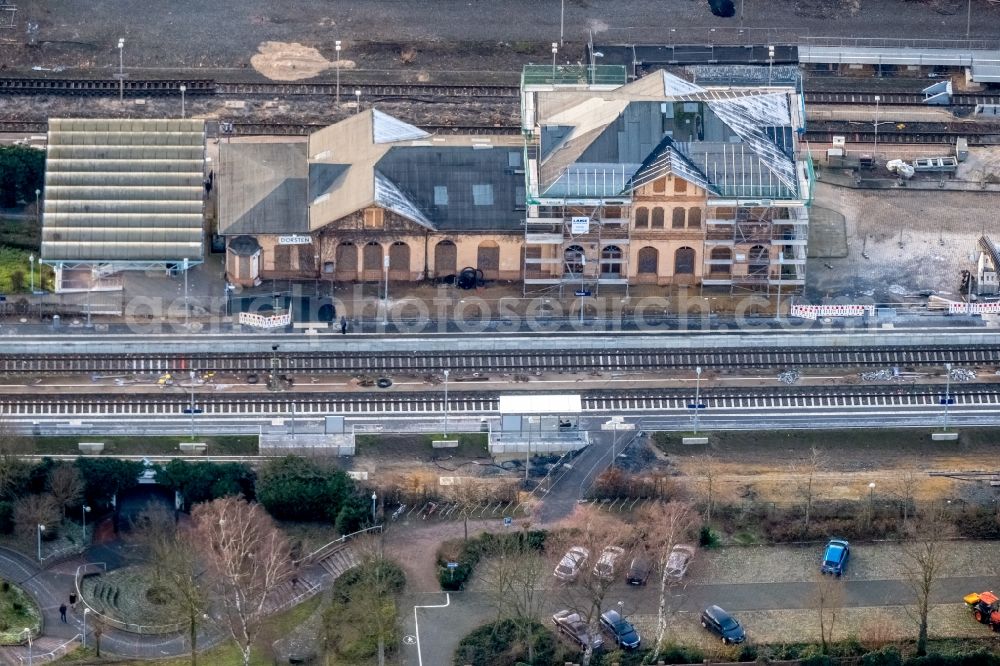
{"x":65,"y":485}
{"x":13,"y":468}
{"x":709,"y":472}
{"x":33,"y":510}
{"x":813,"y":464}
{"x":667,"y":525}
{"x":828,"y":599}
{"x":246,"y":556}
{"x":907,"y":484}
{"x":176,"y":567}
{"x":925,"y":556}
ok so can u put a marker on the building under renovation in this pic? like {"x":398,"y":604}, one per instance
{"x":662,"y":181}
{"x":122,"y":195}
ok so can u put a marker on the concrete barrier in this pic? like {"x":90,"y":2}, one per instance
{"x":694,"y":440}
{"x":193,"y":447}
{"x":91,"y":447}
{"x":444,"y":444}
{"x":944,"y":436}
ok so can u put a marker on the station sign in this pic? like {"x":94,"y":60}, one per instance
{"x":294,"y":240}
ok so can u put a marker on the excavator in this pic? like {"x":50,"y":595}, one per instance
{"x":985,"y":607}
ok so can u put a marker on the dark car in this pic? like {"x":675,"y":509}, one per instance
{"x":722,"y":624}
{"x":835,"y":557}
{"x":574,"y":627}
{"x":620,"y":629}
{"x":638,"y":573}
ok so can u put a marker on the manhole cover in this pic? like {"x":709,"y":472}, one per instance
{"x":383,"y":382}
{"x":409,"y":639}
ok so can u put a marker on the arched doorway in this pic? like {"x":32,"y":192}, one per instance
{"x":611,"y":262}
{"x":684,"y":261}
{"x":648,"y":261}
{"x":573,"y":261}
{"x":445,"y":258}
{"x":371,"y":261}
{"x":346,"y":261}
{"x":399,"y":261}
{"x":488,"y":260}
{"x":759,"y":258}
{"x":720,"y":254}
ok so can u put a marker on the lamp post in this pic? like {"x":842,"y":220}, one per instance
{"x":41,"y":528}
{"x":697,"y":396}
{"x":555,"y":50}
{"x":770,"y":63}
{"x":357,"y":96}
{"x":621,"y":609}
{"x":31,"y":271}
{"x":947,"y":394}
{"x":374,"y":497}
{"x":90,"y":288}
{"x":968,"y":20}
{"x":187,"y":310}
{"x":85,"y":612}
{"x":385,"y":271}
{"x":38,"y":211}
{"x":875,"y":149}
{"x":183,"y":90}
{"x":446,"y":373}
{"x":121,"y":69}
{"x":30,"y":655}
{"x":84,"y":510}
{"x":336,"y":46}
{"x":562,"y":20}
{"x":871,"y":501}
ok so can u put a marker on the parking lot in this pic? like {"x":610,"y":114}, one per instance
{"x":771,"y":590}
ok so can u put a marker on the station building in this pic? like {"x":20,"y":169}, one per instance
{"x":658,"y":181}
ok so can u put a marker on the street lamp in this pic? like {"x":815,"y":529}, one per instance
{"x":446,"y":373}
{"x":38,"y":211}
{"x":385,"y":271}
{"x":187,"y":309}
{"x":121,"y":70}
{"x":30,"y":660}
{"x":336,"y":45}
{"x":770,"y":63}
{"x":947,"y":394}
{"x":555,"y":50}
{"x":697,"y":396}
{"x":875,"y":149}
{"x":183,"y":90}
{"x":41,"y":528}
{"x":84,"y":510}
{"x":562,"y":20}
{"x":374,"y":497}
{"x":621,"y":609}
{"x":357,"y":95}
{"x":85,"y":612}
{"x":871,"y":500}
{"x":31,"y":270}
{"x":968,"y":20}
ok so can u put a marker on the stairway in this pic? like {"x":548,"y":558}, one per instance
{"x":338,"y":561}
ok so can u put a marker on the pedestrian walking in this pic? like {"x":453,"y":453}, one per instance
{"x":343,"y":325}
{"x":62,"y":612}
{"x":72,"y":600}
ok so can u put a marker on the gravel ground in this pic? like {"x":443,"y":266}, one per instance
{"x":799,"y":563}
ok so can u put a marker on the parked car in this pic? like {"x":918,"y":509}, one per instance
{"x":722,"y":624}
{"x":620,"y":629}
{"x":678,"y":562}
{"x":605,"y":567}
{"x":571,"y":563}
{"x":573,"y":626}
{"x":639,"y":572}
{"x":835,"y":557}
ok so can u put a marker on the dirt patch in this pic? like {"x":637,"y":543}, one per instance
{"x":281,"y":61}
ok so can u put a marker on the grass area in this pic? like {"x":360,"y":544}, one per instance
{"x":470,"y":445}
{"x":14,"y":261}
{"x":21,"y":233}
{"x":225,"y":654}
{"x":218,"y":445}
{"x":17,"y":612}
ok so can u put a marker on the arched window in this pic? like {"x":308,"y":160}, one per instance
{"x":759,"y":258}
{"x":694,"y":218}
{"x":611,"y":261}
{"x":346,"y":260}
{"x":371,"y":259}
{"x":684,"y":261}
{"x":399,"y":261}
{"x":720,"y":254}
{"x":648,"y":260}
{"x":678,"y":219}
{"x":657,"y":218}
{"x":445,"y":258}
{"x":641,"y":218}
{"x":488,"y":260}
{"x":573,"y":259}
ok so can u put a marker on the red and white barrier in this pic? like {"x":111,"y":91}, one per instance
{"x":816,"y":311}
{"x":260,"y":321}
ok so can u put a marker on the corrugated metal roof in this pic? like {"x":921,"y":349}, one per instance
{"x":124,"y":190}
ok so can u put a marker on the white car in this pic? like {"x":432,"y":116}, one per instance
{"x":605,"y":567}
{"x":571,"y":563}
{"x":678,"y":562}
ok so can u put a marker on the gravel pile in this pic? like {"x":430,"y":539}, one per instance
{"x":882,"y":375}
{"x":962,"y":375}
{"x":789,"y":376}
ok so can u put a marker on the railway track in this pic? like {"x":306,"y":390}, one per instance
{"x":301,"y":129}
{"x":894,"y":98}
{"x":495,"y":362}
{"x":904,"y":138}
{"x":602,"y":401}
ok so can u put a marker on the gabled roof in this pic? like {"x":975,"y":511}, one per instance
{"x":262,"y":187}
{"x":729,"y":141}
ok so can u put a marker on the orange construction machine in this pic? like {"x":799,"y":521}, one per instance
{"x":985,"y":607}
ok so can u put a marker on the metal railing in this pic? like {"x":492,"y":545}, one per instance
{"x":102,"y":567}
{"x":334,"y":546}
{"x":20,"y":637}
{"x":899,"y":43}
{"x":52,"y":655}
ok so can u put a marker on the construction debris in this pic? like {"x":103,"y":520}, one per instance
{"x":962,"y":375}
{"x":789,"y":376}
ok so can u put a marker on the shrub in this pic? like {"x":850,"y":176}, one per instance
{"x":503,"y":643}
{"x":470,"y":552}
{"x":887,"y":656}
{"x":817,"y":660}
{"x":707,"y":538}
{"x":295,"y":488}
{"x":673,"y":653}
{"x":978,"y":522}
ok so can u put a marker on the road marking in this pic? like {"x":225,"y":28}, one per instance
{"x":416,"y":624}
